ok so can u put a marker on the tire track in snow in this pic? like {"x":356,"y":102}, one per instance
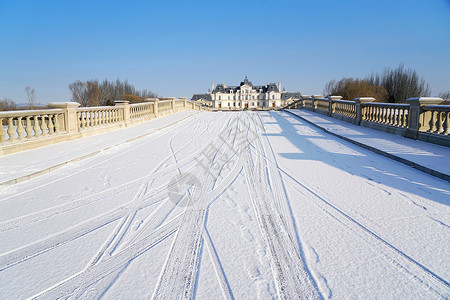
{"x":179,"y":275}
{"x":426,"y":278}
{"x":292,"y":280}
{"x":125,"y":211}
{"x":92,"y":275}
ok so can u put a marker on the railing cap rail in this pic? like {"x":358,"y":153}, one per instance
{"x":27,"y":113}
{"x":99,"y":108}
{"x":436,"y":107}
{"x":386,"y":104}
{"x":142,"y":104}
{"x":344,"y":101}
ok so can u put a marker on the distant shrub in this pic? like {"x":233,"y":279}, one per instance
{"x":350,"y":88}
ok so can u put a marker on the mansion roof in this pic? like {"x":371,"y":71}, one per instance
{"x":270,"y":87}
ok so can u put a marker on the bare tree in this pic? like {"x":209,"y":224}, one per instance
{"x":401,"y":84}
{"x":30,"y":96}
{"x":93,"y":93}
{"x":7,"y":104}
{"x":78,"y":89}
{"x":445,"y":96}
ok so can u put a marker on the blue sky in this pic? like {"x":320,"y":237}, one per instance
{"x":176,"y":48}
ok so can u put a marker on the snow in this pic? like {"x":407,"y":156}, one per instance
{"x":223,"y":205}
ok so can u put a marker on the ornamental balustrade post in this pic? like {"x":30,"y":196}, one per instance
{"x":155,"y":104}
{"x":417,"y":119}
{"x":302,"y":100}
{"x":124,"y":112}
{"x":359,"y":107}
{"x":184,"y":101}
{"x":69,"y":120}
{"x":314,"y":97}
{"x":172,"y":103}
{"x":330,"y":104}
{"x":156,"y":107}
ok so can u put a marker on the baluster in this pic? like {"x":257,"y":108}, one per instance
{"x":2,"y":131}
{"x":96,"y":119}
{"x":57,"y":125}
{"x":83,"y":119}
{"x":388,"y":116}
{"x":101,"y":117}
{"x":431,"y":124}
{"x":438,"y":124}
{"x":51,"y":127}
{"x":397,"y":117}
{"x":20,"y":129}
{"x":406,"y":117}
{"x":43,"y":126}
{"x":37,"y":127}
{"x":11,"y":129}
{"x":28,"y":127}
{"x":446,"y":123}
{"x":91,"y":118}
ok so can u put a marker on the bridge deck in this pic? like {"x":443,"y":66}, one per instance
{"x":223,"y":205}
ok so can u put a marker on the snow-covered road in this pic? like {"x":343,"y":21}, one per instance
{"x":241,"y":205}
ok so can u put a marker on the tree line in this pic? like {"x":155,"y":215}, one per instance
{"x":392,"y":85}
{"x":95,"y":93}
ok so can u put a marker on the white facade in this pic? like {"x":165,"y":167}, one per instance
{"x":247,"y":96}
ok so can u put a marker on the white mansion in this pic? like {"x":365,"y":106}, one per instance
{"x":246,"y":96}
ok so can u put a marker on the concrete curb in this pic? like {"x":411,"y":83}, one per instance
{"x":80,"y":158}
{"x":380,"y":152}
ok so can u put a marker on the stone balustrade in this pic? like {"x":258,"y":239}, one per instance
{"x":386,"y":113}
{"x":436,"y":119}
{"x":140,"y":110}
{"x":27,"y":129}
{"x":343,"y":108}
{"x":421,"y":118}
{"x":98,"y":116}
{"x":322,"y":105}
{"x":26,"y":124}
